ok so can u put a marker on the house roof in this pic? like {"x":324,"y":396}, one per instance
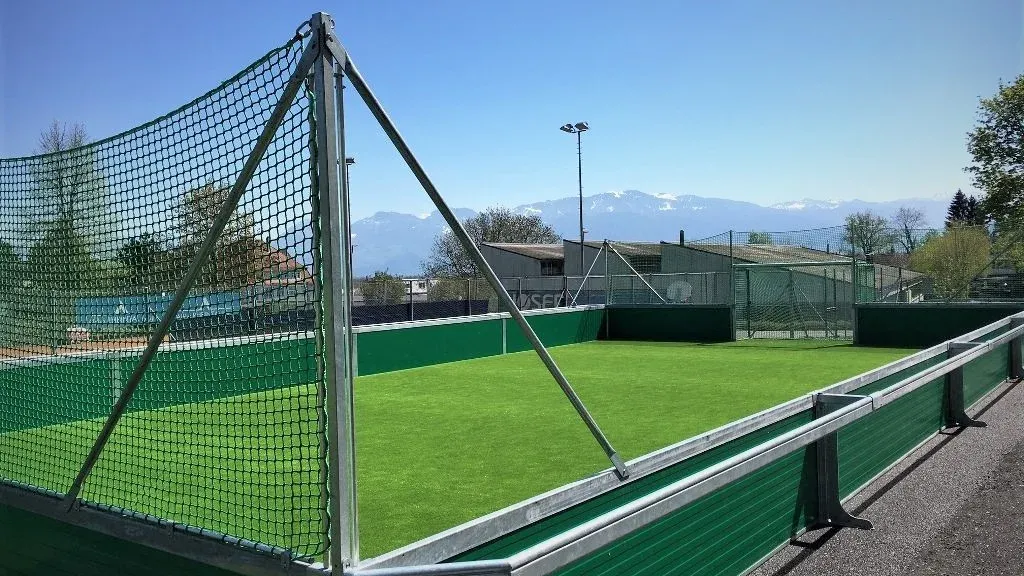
{"x":625,"y":248}
{"x":776,"y":254}
{"x":538,"y":251}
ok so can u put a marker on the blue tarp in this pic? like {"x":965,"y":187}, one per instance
{"x":112,"y":311}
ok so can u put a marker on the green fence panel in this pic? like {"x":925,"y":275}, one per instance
{"x":870,"y":445}
{"x":545,"y":528}
{"x":32,"y":544}
{"x":415,"y":346}
{"x":222,"y":371}
{"x":42,"y":395}
{"x":725,"y":532}
{"x":670,"y":323}
{"x":891,"y":325}
{"x":982,"y":375}
{"x":556,"y":329}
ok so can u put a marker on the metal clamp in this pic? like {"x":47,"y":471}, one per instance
{"x":830,"y":507}
{"x":956,"y":410}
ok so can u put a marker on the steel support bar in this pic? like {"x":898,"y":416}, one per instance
{"x":633,"y":270}
{"x":205,"y":249}
{"x":830,"y":508}
{"x":352,"y":73}
{"x":1015,"y":370}
{"x":795,"y":264}
{"x":956,"y":409}
{"x":587,"y":275}
{"x":336,"y":273}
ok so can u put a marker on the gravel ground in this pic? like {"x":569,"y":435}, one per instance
{"x":954,"y":507}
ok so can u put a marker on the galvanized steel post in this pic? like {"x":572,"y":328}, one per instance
{"x":956,"y":412}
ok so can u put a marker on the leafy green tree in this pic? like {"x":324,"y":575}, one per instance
{"x":760,"y":238}
{"x":996,"y":146}
{"x":238,"y":257}
{"x":384,"y":288}
{"x":449,"y":258}
{"x":144,"y":260}
{"x":953,"y":259}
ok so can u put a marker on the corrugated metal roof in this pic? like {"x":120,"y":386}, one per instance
{"x":775,"y":253}
{"x":538,"y":251}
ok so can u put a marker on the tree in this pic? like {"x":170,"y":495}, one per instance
{"x":867,"y":232}
{"x":953,"y":259}
{"x":145,"y":261}
{"x":383,"y":288}
{"x":238,"y":256}
{"x":760,"y":238}
{"x":996,"y":146}
{"x":905,"y":224}
{"x":67,"y":214}
{"x":449,"y":258}
{"x":10,"y":269}
{"x":964,"y":210}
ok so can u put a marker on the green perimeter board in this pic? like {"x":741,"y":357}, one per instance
{"x":32,"y":544}
{"x":42,"y":395}
{"x":555,"y":329}
{"x":670,"y":323}
{"x":922,"y":325}
{"x":724,"y":532}
{"x":414,"y":346}
{"x":551,"y":526}
{"x":983,"y":374}
{"x":48,"y":394}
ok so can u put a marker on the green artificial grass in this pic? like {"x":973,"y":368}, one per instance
{"x":437,"y":446}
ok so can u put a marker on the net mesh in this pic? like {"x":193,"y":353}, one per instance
{"x":225,"y":430}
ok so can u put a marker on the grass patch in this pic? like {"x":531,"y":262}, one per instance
{"x":436,"y":446}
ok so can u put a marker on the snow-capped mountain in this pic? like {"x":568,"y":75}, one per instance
{"x":399,"y":242}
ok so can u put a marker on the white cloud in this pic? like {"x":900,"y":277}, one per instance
{"x":665,"y":196}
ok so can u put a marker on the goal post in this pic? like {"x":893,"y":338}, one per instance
{"x":797,"y":299}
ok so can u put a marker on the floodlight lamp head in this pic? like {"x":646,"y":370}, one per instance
{"x":582,"y":126}
{"x":567,"y":128}
{"x":350,"y":160}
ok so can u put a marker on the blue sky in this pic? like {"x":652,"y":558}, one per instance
{"x":747,"y":100}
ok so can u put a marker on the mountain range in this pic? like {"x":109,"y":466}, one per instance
{"x":399,"y":242}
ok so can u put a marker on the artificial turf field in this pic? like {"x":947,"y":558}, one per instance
{"x":436,"y":446}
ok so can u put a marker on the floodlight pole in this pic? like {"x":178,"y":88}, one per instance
{"x":579,"y":164}
{"x":352,"y":73}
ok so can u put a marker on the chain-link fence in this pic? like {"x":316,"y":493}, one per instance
{"x":225,"y":430}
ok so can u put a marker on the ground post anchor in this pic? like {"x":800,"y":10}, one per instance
{"x":831,"y":512}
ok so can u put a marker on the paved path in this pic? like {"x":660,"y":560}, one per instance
{"x":954,"y":507}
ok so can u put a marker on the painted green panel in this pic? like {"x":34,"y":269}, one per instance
{"x":402,"y":348}
{"x":870,"y":445}
{"x":983,"y":374}
{"x":556,"y":329}
{"x":185,"y":376}
{"x":546,"y":528}
{"x":891,"y":379}
{"x":36,"y":396}
{"x":923,"y":325}
{"x":32,"y":544}
{"x":671,"y":323}
{"x":724,"y":532}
